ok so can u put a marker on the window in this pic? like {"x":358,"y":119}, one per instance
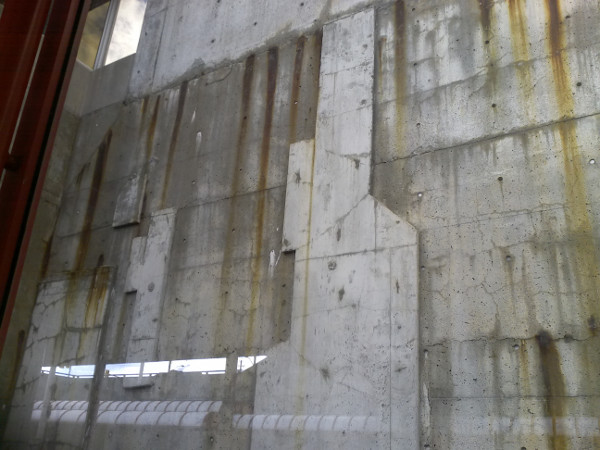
{"x":112,"y":31}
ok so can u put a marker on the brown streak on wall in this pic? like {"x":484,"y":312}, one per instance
{"x":227,"y":264}
{"x":579,"y":224}
{"x":99,"y":168}
{"x":46,"y":257}
{"x":152,"y":130}
{"x":400,"y":71}
{"x":520,"y":47}
{"x":174,"y":139}
{"x":554,"y":385}
{"x":485,"y":12}
{"x":272,"y":65}
{"x":294,"y":96}
{"x":96,"y":297}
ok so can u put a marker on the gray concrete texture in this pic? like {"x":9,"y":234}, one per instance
{"x":395,"y":202}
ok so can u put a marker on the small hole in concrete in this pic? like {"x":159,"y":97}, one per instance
{"x":426,"y":352}
{"x":255,"y":23}
{"x":414,"y":64}
{"x":493,"y":105}
{"x":212,"y":41}
{"x":508,"y":258}
{"x":413,"y":9}
{"x":422,"y":267}
{"x":592,"y":161}
{"x":579,"y":83}
{"x":500,"y":178}
{"x":487,"y":42}
{"x":523,"y":448}
{"x":418,"y":124}
{"x":516,"y":347}
{"x":302,"y":4}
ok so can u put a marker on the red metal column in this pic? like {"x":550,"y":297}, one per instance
{"x":21,"y":27}
{"x":37,"y":127}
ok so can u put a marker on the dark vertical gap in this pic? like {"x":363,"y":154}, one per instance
{"x":174,"y":139}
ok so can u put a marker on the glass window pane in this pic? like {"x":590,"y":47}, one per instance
{"x":92,"y":33}
{"x":128,"y":27}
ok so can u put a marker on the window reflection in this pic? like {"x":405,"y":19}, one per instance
{"x":126,"y":33}
{"x":92,"y":34}
{"x":205,"y":366}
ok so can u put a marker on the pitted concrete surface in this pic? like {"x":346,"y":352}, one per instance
{"x":394,"y":202}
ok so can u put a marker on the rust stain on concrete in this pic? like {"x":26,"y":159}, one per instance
{"x":400,"y":71}
{"x":485,"y":13}
{"x":152,"y":129}
{"x":524,"y":375}
{"x":579,"y":224}
{"x":554,"y":385}
{"x":272,"y":66}
{"x":518,"y":30}
{"x":99,"y":168}
{"x":96,"y":297}
{"x":301,"y":376}
{"x":46,"y":256}
{"x":486,"y":18}
{"x":295,"y":93}
{"x":174,"y":139}
{"x":230,"y":236}
{"x":521,"y":54}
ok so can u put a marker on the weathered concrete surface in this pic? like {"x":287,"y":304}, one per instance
{"x":171,"y":49}
{"x":291,"y":170}
{"x":486,"y":131}
{"x":36,"y":262}
{"x":353,"y":348}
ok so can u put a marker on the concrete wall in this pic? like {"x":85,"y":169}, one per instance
{"x":393,"y":203}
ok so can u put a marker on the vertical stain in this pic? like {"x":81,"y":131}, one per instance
{"x":579,"y":224}
{"x":150,"y":134}
{"x":144,"y":106}
{"x":525,"y":376}
{"x":152,"y":130}
{"x":46,"y":256}
{"x":381,"y":44}
{"x":518,"y":30}
{"x":485,"y":17}
{"x":315,"y":66}
{"x":554,"y":385}
{"x":174,"y":139}
{"x":485,"y":14}
{"x":96,"y":297}
{"x":299,"y":402}
{"x":593,"y":325}
{"x":400,"y":71}
{"x":227,"y":265}
{"x":272,"y":64}
{"x":101,"y":285}
{"x":520,"y":48}
{"x":301,"y":375}
{"x":294,"y":97}
{"x":99,"y":167}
